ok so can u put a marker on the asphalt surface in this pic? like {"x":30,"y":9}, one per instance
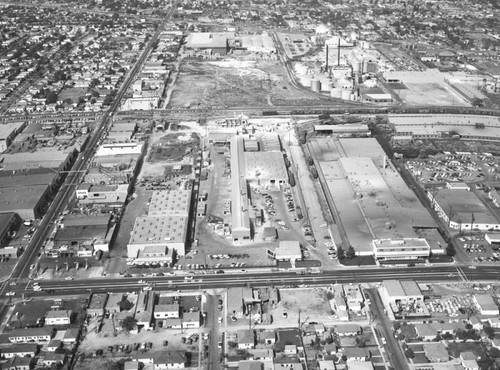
{"x":202,"y":281}
{"x":384,"y":326}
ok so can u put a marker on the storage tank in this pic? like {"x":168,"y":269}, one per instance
{"x":346,"y":94}
{"x":305,"y":81}
{"x":316,"y":85}
{"x":336,"y":92}
{"x":356,"y":67}
{"x":326,"y":85}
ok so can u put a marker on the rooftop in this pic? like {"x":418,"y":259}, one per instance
{"x":159,"y":229}
{"x":170,"y":202}
{"x":265,"y":166}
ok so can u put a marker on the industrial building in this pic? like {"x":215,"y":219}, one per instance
{"x":93,"y":231}
{"x":397,"y":292}
{"x":214,"y":43}
{"x":25,"y":192}
{"x":357,"y":176}
{"x":343,"y":130}
{"x":170,"y":202}
{"x":435,"y":126}
{"x":462,"y":210}
{"x":401,"y":249}
{"x":258,"y":168}
{"x":9,"y":223}
{"x":156,"y":236}
{"x":262,"y":43}
{"x":240,"y":218}
{"x":160,"y":231}
{"x":8,"y":132}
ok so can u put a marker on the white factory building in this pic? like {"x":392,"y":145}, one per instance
{"x":160,"y":234}
{"x":463,"y":210}
{"x":259,"y":168}
{"x":401,"y":249}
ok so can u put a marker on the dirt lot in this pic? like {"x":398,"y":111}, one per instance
{"x":430,"y":93}
{"x":311,"y":302}
{"x":233,"y":82}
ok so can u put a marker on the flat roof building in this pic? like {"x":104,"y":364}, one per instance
{"x":401,"y":249}
{"x":240,"y":218}
{"x":401,"y":291}
{"x":164,"y":231}
{"x":463,"y":210}
{"x":265,"y":168}
{"x":170,"y":203}
{"x":288,"y":250}
{"x":208,"y":41}
{"x":486,"y":304}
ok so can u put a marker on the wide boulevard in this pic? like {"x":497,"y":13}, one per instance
{"x":202,"y":281}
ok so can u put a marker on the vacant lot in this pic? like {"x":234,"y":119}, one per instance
{"x":301,"y":303}
{"x":429,"y":93}
{"x":234,"y":82}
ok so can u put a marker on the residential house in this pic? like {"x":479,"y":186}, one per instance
{"x":290,"y":349}
{"x":436,"y":352}
{"x":250,"y":365}
{"x":261,"y":354}
{"x":53,"y":345}
{"x":347,"y":330}
{"x":166,"y":311}
{"x":31,"y":335}
{"x":51,"y":359}
{"x":58,"y":317}
{"x":426,"y":331}
{"x":246,"y":339}
{"x":71,"y":335}
{"x":172,"y":323}
{"x":19,"y":363}
{"x":268,"y":337}
{"x":191,"y":320}
{"x":20,"y":350}
{"x":330,"y":349}
{"x":144,"y":357}
{"x":169,"y":360}
{"x":131,"y":365}
{"x":356,"y":354}
{"x":469,"y":361}
{"x":326,"y":365}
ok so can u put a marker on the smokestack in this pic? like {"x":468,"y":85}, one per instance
{"x":338,"y":61}
{"x":326,"y":58}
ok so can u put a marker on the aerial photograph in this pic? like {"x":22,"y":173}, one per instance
{"x":250,"y":184}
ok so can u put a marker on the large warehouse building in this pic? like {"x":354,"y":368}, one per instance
{"x":156,"y":236}
{"x":214,"y":43}
{"x":25,"y":192}
{"x":357,"y":176}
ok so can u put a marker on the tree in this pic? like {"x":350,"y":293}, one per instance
{"x":351,"y":253}
{"x":489,"y":331}
{"x":494,"y":352}
{"x":129,"y":323}
{"x":409,"y":353}
{"x":340,"y":253}
{"x":125,"y":305}
{"x":450,"y":250}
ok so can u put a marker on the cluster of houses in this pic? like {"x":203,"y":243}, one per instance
{"x":148,"y":308}
{"x":41,"y":346}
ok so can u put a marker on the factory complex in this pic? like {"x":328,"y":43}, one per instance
{"x":379,"y":214}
